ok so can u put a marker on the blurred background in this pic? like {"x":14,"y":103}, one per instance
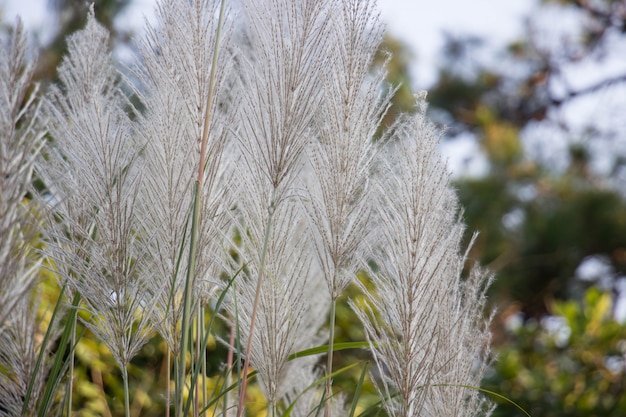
{"x":532,"y":95}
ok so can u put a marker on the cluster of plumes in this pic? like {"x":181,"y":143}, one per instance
{"x":298,"y":195}
{"x":21,"y":138}
{"x":341,"y":157}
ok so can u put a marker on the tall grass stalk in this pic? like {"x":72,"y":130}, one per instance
{"x":255,"y":306}
{"x":126,"y":392}
{"x":281,"y":92}
{"x":94,"y":231}
{"x":342,"y":156}
{"x":197,"y":199}
{"x":69,"y":389}
{"x":183,"y":131}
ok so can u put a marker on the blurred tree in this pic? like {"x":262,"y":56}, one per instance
{"x":542,"y":211}
{"x":548,"y":117}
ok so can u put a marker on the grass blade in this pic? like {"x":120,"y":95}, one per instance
{"x":318,"y":350}
{"x":56,"y":371}
{"x":357,"y":392}
{"x":42,"y":350}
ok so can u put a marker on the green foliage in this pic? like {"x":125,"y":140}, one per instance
{"x":535,"y":244}
{"x":572,"y":367}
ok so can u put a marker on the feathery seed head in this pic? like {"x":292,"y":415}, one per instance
{"x":432,"y":334}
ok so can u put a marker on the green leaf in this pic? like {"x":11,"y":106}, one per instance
{"x":357,"y":392}
{"x":319,"y":350}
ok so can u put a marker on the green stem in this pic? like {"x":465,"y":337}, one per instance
{"x":55,"y":373}
{"x":229,"y":367}
{"x":126,"y":392}
{"x":42,"y":352}
{"x":178,"y":385}
{"x":196,"y":404}
{"x":204,"y":368}
{"x":187,"y":302}
{"x":70,"y":379}
{"x":197,"y":205}
{"x":329,"y":362}
{"x":168,"y":400}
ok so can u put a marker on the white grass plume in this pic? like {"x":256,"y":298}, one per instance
{"x":21,"y":138}
{"x":341,"y":157}
{"x":281,"y":87}
{"x":98,"y":244}
{"x":429,"y":329}
{"x":174,"y":74}
{"x":280,"y":93}
{"x":339,"y":206}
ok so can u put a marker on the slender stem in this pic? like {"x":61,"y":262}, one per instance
{"x":207,"y":114}
{"x":204,"y":373}
{"x":70,"y":380}
{"x":178,"y":384}
{"x":196,"y":404}
{"x":229,"y":367}
{"x":126,"y":392}
{"x":329,"y":363}
{"x":188,"y":295}
{"x":257,"y":294}
{"x":168,"y":399}
{"x":187,"y":302}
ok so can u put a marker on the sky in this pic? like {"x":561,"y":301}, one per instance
{"x":418,"y":23}
{"x":421,"y":24}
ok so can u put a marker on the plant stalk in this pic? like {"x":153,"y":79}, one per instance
{"x":126,"y":392}
{"x":329,"y":362}
{"x":197,"y":205}
{"x":70,"y":379}
{"x":229,"y":367}
{"x":257,"y":295}
{"x":203,"y":367}
{"x":168,"y":400}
